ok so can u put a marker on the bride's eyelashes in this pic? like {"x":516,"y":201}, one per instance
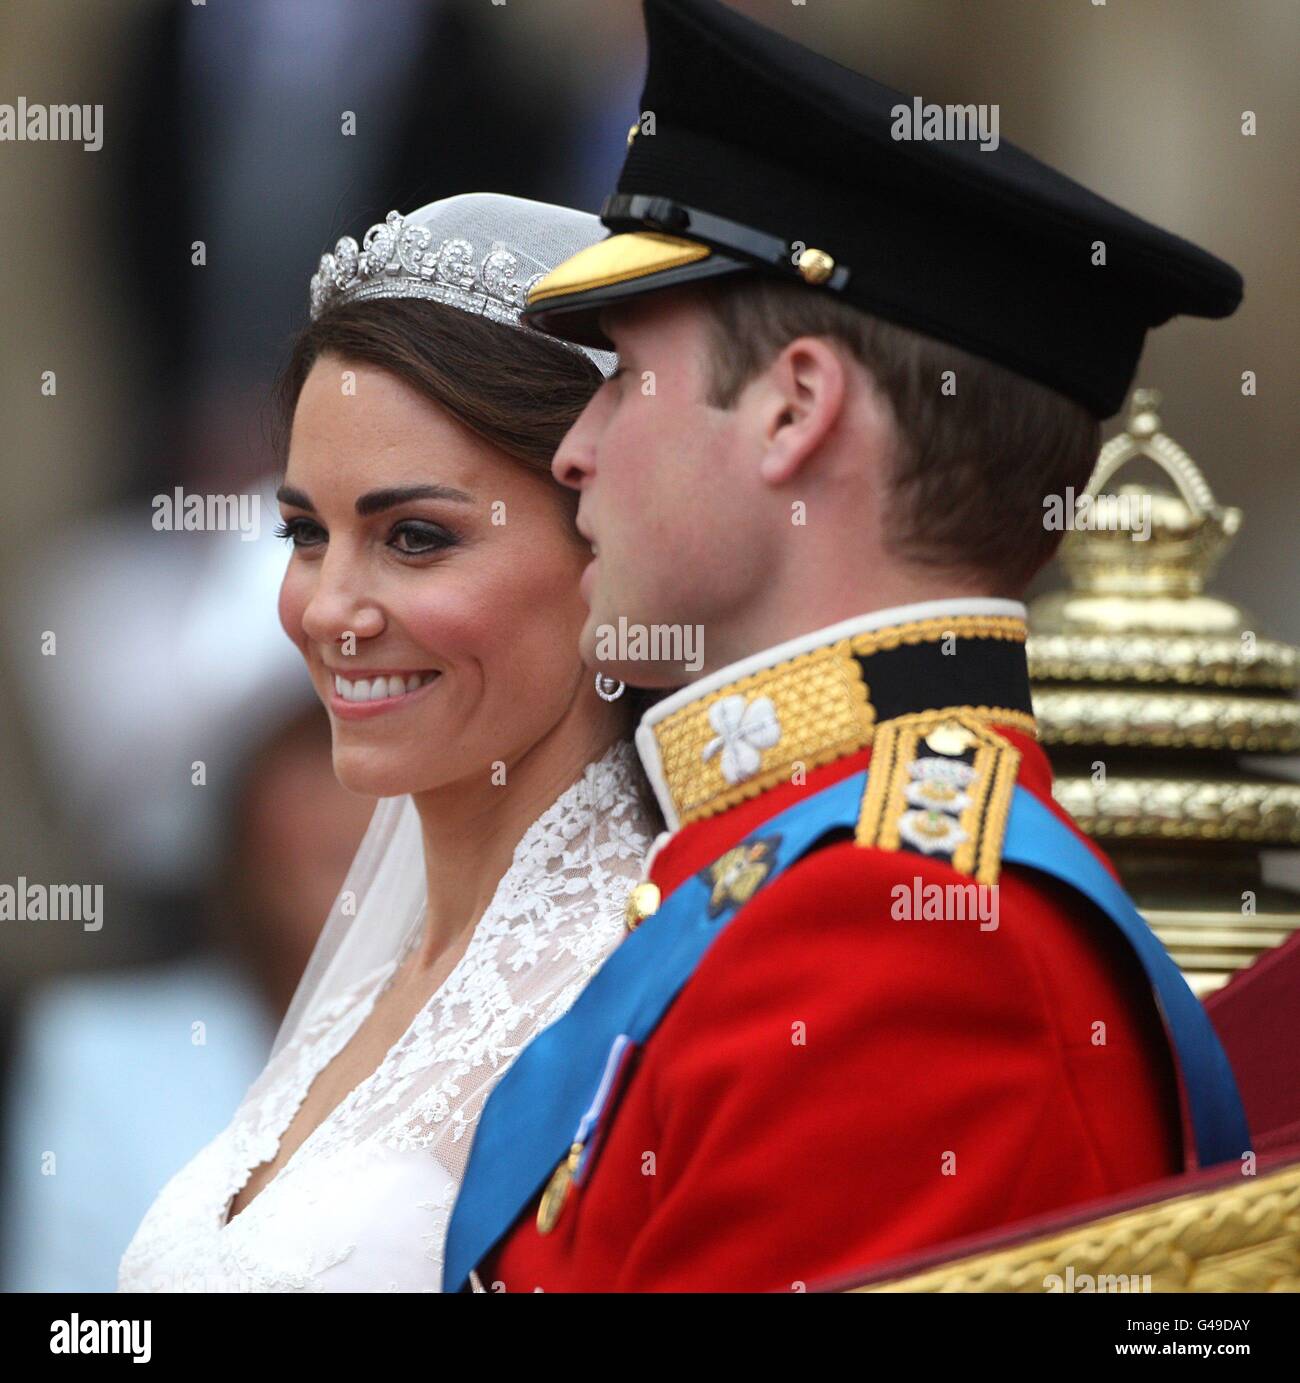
{"x":408,"y":538}
{"x":294,"y":530}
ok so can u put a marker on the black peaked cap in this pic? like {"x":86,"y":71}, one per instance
{"x":762,"y":149}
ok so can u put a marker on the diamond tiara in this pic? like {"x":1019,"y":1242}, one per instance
{"x":397,"y":259}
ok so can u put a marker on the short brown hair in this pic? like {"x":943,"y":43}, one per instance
{"x":971,"y":468}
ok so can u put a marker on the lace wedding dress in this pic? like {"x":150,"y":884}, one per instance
{"x":363,"y":1203}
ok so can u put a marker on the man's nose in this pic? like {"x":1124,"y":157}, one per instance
{"x":573,"y":462}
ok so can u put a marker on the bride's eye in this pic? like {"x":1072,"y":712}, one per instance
{"x":297,"y":530}
{"x":420,"y":538}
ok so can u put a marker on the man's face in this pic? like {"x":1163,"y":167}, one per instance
{"x":669,"y":495}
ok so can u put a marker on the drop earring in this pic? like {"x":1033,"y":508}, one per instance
{"x":609,"y":688}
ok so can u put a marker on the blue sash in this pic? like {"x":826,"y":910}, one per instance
{"x":534,"y":1114}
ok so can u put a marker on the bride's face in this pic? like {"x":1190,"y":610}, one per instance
{"x":426,"y":559}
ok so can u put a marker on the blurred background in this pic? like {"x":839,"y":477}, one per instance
{"x":134,"y":360}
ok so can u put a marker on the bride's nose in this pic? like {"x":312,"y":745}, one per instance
{"x":339,"y":606}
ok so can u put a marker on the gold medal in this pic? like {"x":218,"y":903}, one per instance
{"x":557,"y":1190}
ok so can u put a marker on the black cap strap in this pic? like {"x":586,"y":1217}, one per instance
{"x":628,"y":211}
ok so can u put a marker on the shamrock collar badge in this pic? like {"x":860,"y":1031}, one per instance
{"x":744,"y":730}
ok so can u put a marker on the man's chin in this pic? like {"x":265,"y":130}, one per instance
{"x":607,"y":645}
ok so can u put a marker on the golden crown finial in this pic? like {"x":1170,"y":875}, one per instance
{"x":1143,"y":420}
{"x":1183,"y":534}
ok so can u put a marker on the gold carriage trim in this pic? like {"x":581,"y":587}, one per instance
{"x":1243,"y":1237}
{"x":784,"y":721}
{"x":962,"y":820}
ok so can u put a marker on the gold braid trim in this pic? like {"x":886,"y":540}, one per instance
{"x":1003,"y":715}
{"x":932,"y":630}
{"x":1244,"y":1237}
{"x":824,"y":709}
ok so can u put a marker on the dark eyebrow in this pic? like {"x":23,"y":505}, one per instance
{"x":286,"y":494}
{"x":378,"y":500}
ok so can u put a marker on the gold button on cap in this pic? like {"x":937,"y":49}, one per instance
{"x":816,"y":266}
{"x":642,"y":902}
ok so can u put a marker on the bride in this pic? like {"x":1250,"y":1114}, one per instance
{"x":432,"y":590}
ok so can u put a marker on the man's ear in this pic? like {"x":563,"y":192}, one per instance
{"x":801,"y":401}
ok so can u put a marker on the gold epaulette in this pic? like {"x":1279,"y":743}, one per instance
{"x":940,"y":784}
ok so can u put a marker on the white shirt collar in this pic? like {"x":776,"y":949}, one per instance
{"x":646,"y":743}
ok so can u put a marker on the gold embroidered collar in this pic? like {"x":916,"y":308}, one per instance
{"x":770,"y":718}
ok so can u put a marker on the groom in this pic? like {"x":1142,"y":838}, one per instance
{"x":878,"y":992}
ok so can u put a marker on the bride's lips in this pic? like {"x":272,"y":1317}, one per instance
{"x":414,"y":684}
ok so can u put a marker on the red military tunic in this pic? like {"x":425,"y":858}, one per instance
{"x":834,"y":1086}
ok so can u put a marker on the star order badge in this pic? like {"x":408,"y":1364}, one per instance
{"x":736,"y":876}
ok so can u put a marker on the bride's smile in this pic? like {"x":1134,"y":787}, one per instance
{"x":360,"y":697}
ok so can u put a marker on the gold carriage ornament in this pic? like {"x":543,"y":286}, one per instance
{"x":1148,"y":689}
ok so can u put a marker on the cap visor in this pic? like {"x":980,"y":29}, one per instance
{"x":568,"y":301}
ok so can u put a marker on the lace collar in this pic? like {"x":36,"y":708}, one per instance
{"x":363,"y":1202}
{"x":557,"y":912}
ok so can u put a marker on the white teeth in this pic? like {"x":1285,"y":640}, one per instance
{"x":380,"y":688}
